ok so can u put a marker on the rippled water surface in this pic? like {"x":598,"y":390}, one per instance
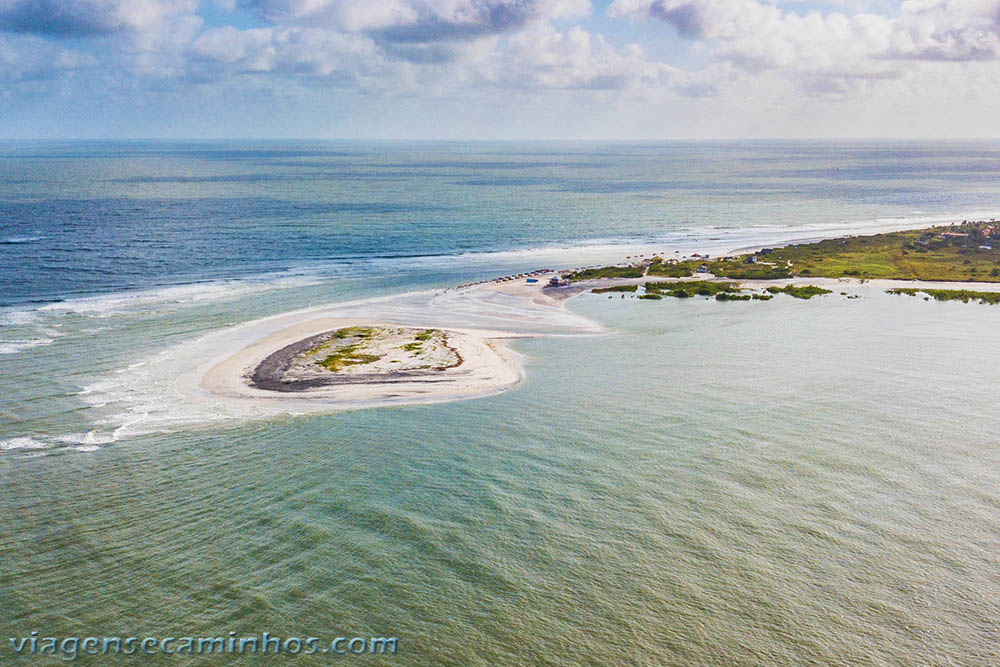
{"x":789,"y":482}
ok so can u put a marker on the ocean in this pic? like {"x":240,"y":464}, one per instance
{"x":677,"y":482}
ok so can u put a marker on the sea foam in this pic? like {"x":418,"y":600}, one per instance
{"x":22,"y":443}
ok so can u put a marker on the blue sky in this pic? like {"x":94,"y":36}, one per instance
{"x":498,"y":69}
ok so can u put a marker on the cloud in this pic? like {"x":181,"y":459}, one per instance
{"x":88,"y":18}
{"x":488,"y":54}
{"x":28,"y":61}
{"x":831,"y":52}
{"x":764,"y":35}
{"x":418,"y":20}
{"x":342,"y":59}
{"x":544,"y":58}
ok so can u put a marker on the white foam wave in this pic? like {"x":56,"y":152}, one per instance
{"x":163,"y":392}
{"x":89,"y":439}
{"x":24,"y":328}
{"x":14,"y":240}
{"x":181,"y":295}
{"x":18,"y":345}
{"x":715,"y":240}
{"x":18,"y":317}
{"x":22,"y":443}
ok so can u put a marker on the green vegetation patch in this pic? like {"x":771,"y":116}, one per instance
{"x":742,"y":271}
{"x":969,"y":251}
{"x":617,"y":288}
{"x":353,"y":332}
{"x":608,"y":272}
{"x":726,"y":296}
{"x":672,"y":270}
{"x":683,"y":290}
{"x":423,"y":337}
{"x":651,"y":295}
{"x":347,"y":356}
{"x":806,"y":292}
{"x":963,"y":295}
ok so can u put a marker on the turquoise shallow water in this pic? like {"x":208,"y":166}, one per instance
{"x":789,"y":482}
{"x":777,"y":483}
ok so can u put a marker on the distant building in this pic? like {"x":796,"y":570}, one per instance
{"x":702,"y":269}
{"x":751,"y":259}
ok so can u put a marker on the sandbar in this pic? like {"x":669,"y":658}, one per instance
{"x":487,"y":367}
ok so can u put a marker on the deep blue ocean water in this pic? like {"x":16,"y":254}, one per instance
{"x":86,"y":218}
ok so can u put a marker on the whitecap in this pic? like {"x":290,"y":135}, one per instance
{"x":15,"y":240}
{"x":22,"y":443}
{"x":18,"y":317}
{"x":107,"y":305}
{"x":90,"y":439}
{"x":15,"y":346}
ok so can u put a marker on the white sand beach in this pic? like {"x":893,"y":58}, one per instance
{"x":487,"y":367}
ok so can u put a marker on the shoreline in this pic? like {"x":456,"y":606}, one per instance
{"x":276,"y":365}
{"x":487,"y":367}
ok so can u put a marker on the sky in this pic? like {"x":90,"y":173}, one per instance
{"x":499,"y":69}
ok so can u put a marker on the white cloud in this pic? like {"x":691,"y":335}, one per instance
{"x":81,"y":18}
{"x":746,"y":54}
{"x":542,"y":57}
{"x":418,"y":20}
{"x":760,"y":35}
{"x":29,"y":61}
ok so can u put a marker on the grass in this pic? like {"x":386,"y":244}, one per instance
{"x":651,"y":295}
{"x":963,"y":295}
{"x":680,"y":270}
{"x":805,"y":292}
{"x":347,"y":356}
{"x":421,"y":338}
{"x":351,"y":354}
{"x":739,"y":270}
{"x":691,"y":288}
{"x":607,"y":272}
{"x":617,"y":288}
{"x":963,"y":252}
{"x":922,"y":254}
{"x":726,"y":296}
{"x":354,"y":332}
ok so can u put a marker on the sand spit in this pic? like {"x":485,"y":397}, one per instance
{"x":266,"y":370}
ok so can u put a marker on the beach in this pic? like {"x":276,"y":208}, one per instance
{"x":674,"y":481}
{"x":486,"y":364}
{"x":487,"y":367}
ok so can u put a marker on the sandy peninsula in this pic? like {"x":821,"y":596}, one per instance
{"x":413,"y":356}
